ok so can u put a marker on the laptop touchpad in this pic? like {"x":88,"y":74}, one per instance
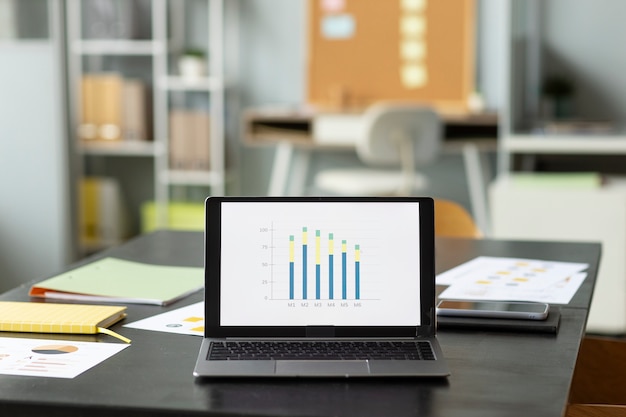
{"x":321,"y":368}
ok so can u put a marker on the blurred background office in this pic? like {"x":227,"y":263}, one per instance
{"x":96,"y":95}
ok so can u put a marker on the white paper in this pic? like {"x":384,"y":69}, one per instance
{"x":492,"y":278}
{"x":184,"y":320}
{"x":52,"y":358}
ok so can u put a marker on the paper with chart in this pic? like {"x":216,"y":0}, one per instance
{"x":52,"y":358}
{"x":494,"y":278}
{"x":184,"y":320}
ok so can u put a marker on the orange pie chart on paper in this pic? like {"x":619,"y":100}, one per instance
{"x":55,"y":349}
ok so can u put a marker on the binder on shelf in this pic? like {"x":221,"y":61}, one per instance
{"x":189,"y":140}
{"x":30,"y":317}
{"x":135,"y":110}
{"x":103,"y":216}
{"x":201,"y":141}
{"x":180,"y":148}
{"x":109,"y":88}
{"x":113,"y":108}
{"x":88,"y":128}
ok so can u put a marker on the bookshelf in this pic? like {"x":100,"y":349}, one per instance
{"x":141,"y":41}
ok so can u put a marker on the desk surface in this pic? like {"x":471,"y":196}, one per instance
{"x":493,"y":373}
{"x":267,"y":127}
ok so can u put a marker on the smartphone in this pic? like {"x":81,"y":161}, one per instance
{"x":493,"y":309}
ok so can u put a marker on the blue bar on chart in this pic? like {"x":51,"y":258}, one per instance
{"x":357,"y":272}
{"x":304,"y":263}
{"x":344,"y":270}
{"x":318,"y":267}
{"x":331,"y":261}
{"x":291,"y":266}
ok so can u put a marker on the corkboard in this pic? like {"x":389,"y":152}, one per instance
{"x":356,"y":52}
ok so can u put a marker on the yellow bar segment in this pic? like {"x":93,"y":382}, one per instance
{"x":291,"y":249}
{"x":357,"y":253}
{"x":331,"y":246}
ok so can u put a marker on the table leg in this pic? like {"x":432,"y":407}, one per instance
{"x":300,"y":170}
{"x":280,"y":169}
{"x":476,"y":173}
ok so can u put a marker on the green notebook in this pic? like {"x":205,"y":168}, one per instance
{"x":119,"y":280}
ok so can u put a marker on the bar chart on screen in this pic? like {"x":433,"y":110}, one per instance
{"x":318,"y":264}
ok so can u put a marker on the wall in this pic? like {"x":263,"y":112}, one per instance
{"x":34,"y":184}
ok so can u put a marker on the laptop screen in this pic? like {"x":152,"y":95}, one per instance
{"x":327,"y":262}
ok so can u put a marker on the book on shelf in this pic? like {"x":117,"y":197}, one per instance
{"x":34,"y":317}
{"x":135,"y":110}
{"x":113,"y":108}
{"x":122,"y":281}
{"x":108,"y":106}
{"x":189,"y":140}
{"x":103,"y":219}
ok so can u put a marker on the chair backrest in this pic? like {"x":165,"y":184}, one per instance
{"x":452,"y":220}
{"x":387,"y":125}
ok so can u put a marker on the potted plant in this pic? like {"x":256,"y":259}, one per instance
{"x":191,"y":64}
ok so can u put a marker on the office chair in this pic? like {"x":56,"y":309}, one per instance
{"x":394,"y":141}
{"x":452,"y":220}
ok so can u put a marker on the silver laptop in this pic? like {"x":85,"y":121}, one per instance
{"x":319,"y":287}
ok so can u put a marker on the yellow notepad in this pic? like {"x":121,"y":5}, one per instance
{"x":29,"y":317}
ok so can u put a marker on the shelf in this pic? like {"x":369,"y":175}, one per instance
{"x":169,"y":23}
{"x":117,"y":47}
{"x":565,"y":144}
{"x":120,"y":148}
{"x":176,"y":83}
{"x":179,"y":177}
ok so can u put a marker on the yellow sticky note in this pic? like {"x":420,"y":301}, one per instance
{"x":413,"y":75}
{"x":413,"y":5}
{"x":413,"y":26}
{"x":412,"y":50}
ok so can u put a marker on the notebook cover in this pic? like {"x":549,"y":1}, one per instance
{"x":118,"y":280}
{"x":57,"y":318}
{"x":549,"y":325}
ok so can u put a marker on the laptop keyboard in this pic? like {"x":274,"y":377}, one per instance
{"x":321,"y":350}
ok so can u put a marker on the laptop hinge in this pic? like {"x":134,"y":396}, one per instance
{"x":320,"y":331}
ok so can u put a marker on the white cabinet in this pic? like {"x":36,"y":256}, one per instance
{"x":587,"y":214}
{"x":138,"y":42}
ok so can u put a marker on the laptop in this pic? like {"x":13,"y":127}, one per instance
{"x":320,"y":287}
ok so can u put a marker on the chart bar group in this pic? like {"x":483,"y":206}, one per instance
{"x":323,"y":247}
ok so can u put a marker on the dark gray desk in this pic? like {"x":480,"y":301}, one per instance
{"x":493,"y":373}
